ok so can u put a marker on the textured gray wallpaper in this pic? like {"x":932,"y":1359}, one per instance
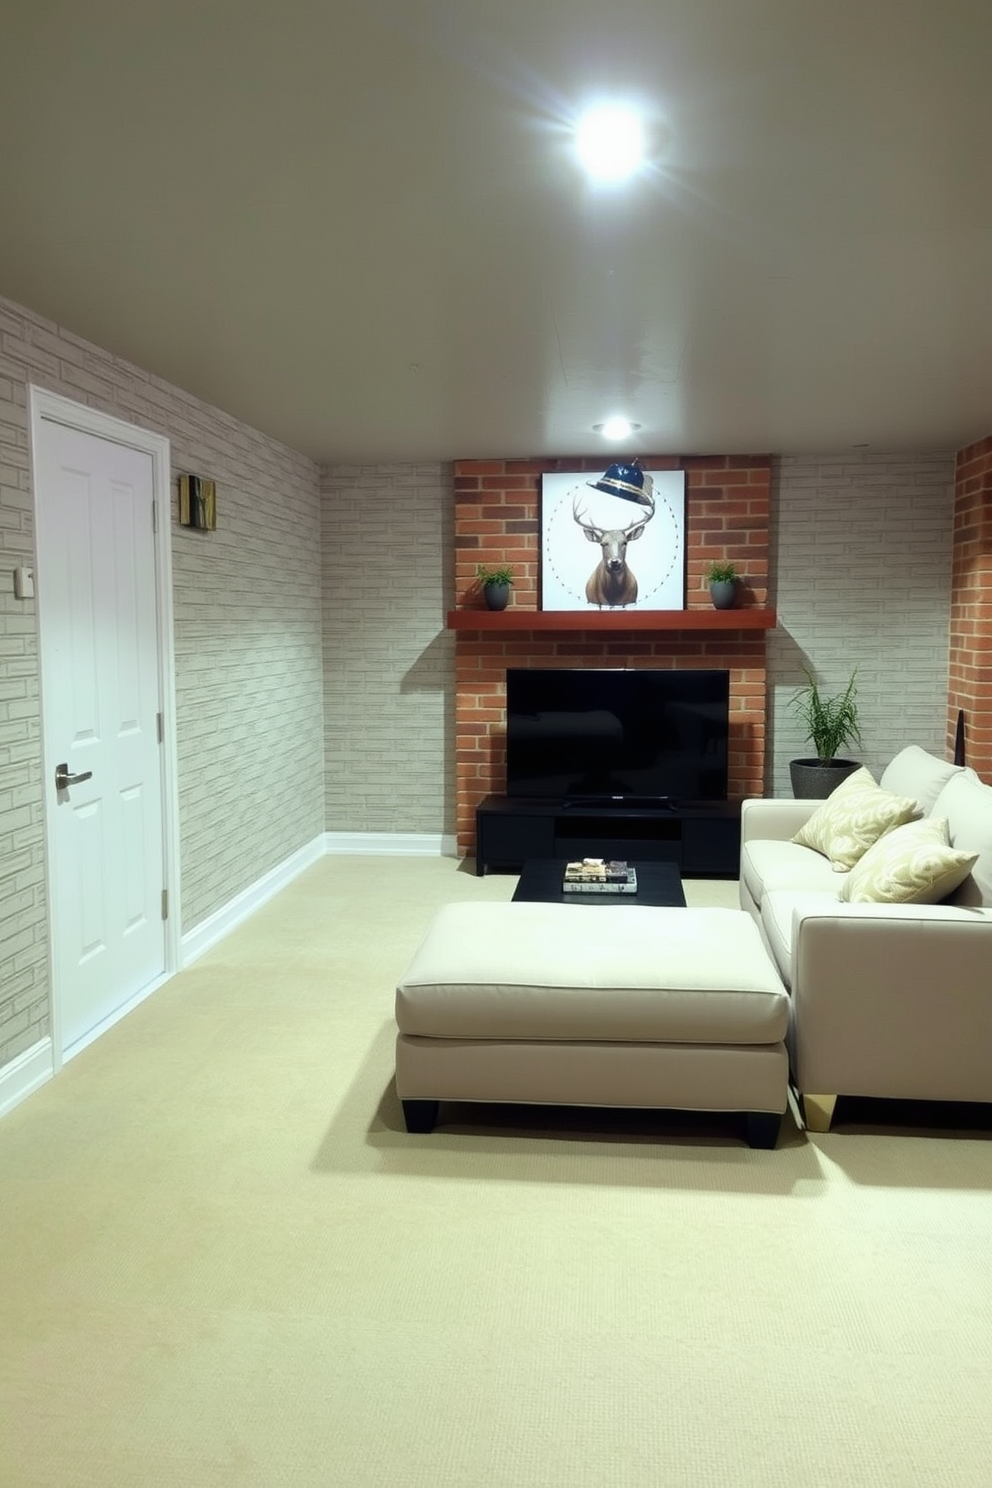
{"x":861,"y":576}
{"x":860,"y":562}
{"x":247,"y":637}
{"x":388,"y":660}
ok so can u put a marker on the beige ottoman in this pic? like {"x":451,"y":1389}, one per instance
{"x":598,"y":1005}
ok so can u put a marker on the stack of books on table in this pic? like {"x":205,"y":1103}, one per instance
{"x":599,"y":876}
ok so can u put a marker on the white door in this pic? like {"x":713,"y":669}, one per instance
{"x":101,"y":701}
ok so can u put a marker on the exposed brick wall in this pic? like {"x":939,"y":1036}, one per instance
{"x":727,"y":517}
{"x":247,"y":644}
{"x":970,"y":665}
{"x":497,"y":520}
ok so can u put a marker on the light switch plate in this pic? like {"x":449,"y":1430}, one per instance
{"x":24,"y":583}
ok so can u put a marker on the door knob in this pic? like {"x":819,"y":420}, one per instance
{"x":63,"y":779}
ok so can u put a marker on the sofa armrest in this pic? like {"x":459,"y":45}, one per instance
{"x":774,"y":820}
{"x":893,"y":1000}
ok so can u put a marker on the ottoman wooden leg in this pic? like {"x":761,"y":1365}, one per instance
{"x":420,"y":1115}
{"x":762,"y":1129}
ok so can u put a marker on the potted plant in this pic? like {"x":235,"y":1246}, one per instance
{"x":723,"y":585}
{"x":495,"y":583}
{"x":831,"y":722}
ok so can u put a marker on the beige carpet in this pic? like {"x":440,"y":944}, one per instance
{"x":223,"y":1261}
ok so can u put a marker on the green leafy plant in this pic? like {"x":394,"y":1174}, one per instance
{"x":723,"y":573}
{"x":830,"y":721}
{"x":501,"y":574}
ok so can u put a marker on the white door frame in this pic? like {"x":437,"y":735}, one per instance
{"x":45,"y":407}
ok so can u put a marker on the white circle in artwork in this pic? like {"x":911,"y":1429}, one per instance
{"x":571,"y":558}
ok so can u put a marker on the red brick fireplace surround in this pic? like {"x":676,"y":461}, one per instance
{"x":970,"y":670}
{"x":496,"y":521}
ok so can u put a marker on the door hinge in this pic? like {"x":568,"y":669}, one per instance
{"x":165,"y":904}
{"x":154,"y":516}
{"x":160,"y":725}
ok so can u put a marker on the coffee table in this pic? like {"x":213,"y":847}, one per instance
{"x":659,"y":884}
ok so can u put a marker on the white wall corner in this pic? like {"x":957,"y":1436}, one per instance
{"x":215,"y":927}
{"x":25,"y":1074}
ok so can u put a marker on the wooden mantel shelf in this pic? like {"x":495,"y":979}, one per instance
{"x":610,"y":620}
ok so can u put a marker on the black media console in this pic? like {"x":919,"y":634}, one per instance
{"x":701,"y":837}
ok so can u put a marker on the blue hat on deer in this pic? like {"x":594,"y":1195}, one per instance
{"x":627,"y":481}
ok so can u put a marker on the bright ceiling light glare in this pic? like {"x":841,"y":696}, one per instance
{"x":610,"y":142}
{"x":616,"y":428}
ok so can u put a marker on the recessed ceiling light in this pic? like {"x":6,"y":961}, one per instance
{"x":615,"y":428}
{"x":610,"y":142}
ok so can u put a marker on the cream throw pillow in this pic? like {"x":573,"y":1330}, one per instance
{"x":914,"y":772}
{"x":915,"y":864}
{"x":852,"y":817}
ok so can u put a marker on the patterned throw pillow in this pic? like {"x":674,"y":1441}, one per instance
{"x":852,"y":817}
{"x":915,"y":864}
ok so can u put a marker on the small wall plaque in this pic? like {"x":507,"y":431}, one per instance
{"x":197,"y":502}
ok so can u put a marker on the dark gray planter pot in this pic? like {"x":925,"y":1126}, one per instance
{"x":497,"y":595}
{"x":814,"y":779}
{"x":723,"y":592}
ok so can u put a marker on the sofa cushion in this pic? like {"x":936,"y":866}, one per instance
{"x":914,"y":864}
{"x":852,"y":817}
{"x":914,"y":772}
{"x":778,"y":921}
{"x":609,"y":973}
{"x":966,"y":802}
{"x":766,"y":865}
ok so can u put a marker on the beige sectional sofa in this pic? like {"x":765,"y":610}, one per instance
{"x":890,"y":995}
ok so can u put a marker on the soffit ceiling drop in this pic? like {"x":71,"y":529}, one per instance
{"x":362,"y":228}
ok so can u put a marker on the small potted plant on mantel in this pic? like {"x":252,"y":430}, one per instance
{"x":831,"y":722}
{"x":495,"y":584}
{"x":723,"y":585}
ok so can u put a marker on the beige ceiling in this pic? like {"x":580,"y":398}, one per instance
{"x":358,"y":224}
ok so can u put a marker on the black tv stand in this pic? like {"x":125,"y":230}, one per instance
{"x":592,"y":804}
{"x":702,"y":837}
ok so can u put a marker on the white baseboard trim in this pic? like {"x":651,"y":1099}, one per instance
{"x":395,"y":844}
{"x":32,"y":1069}
{"x":26,"y":1074}
{"x":204,"y":936}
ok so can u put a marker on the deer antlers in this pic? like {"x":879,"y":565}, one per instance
{"x":578,"y":513}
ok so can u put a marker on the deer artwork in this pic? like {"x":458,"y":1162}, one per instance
{"x":612,"y":582}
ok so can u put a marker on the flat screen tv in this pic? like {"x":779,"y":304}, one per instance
{"x":621,"y":737}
